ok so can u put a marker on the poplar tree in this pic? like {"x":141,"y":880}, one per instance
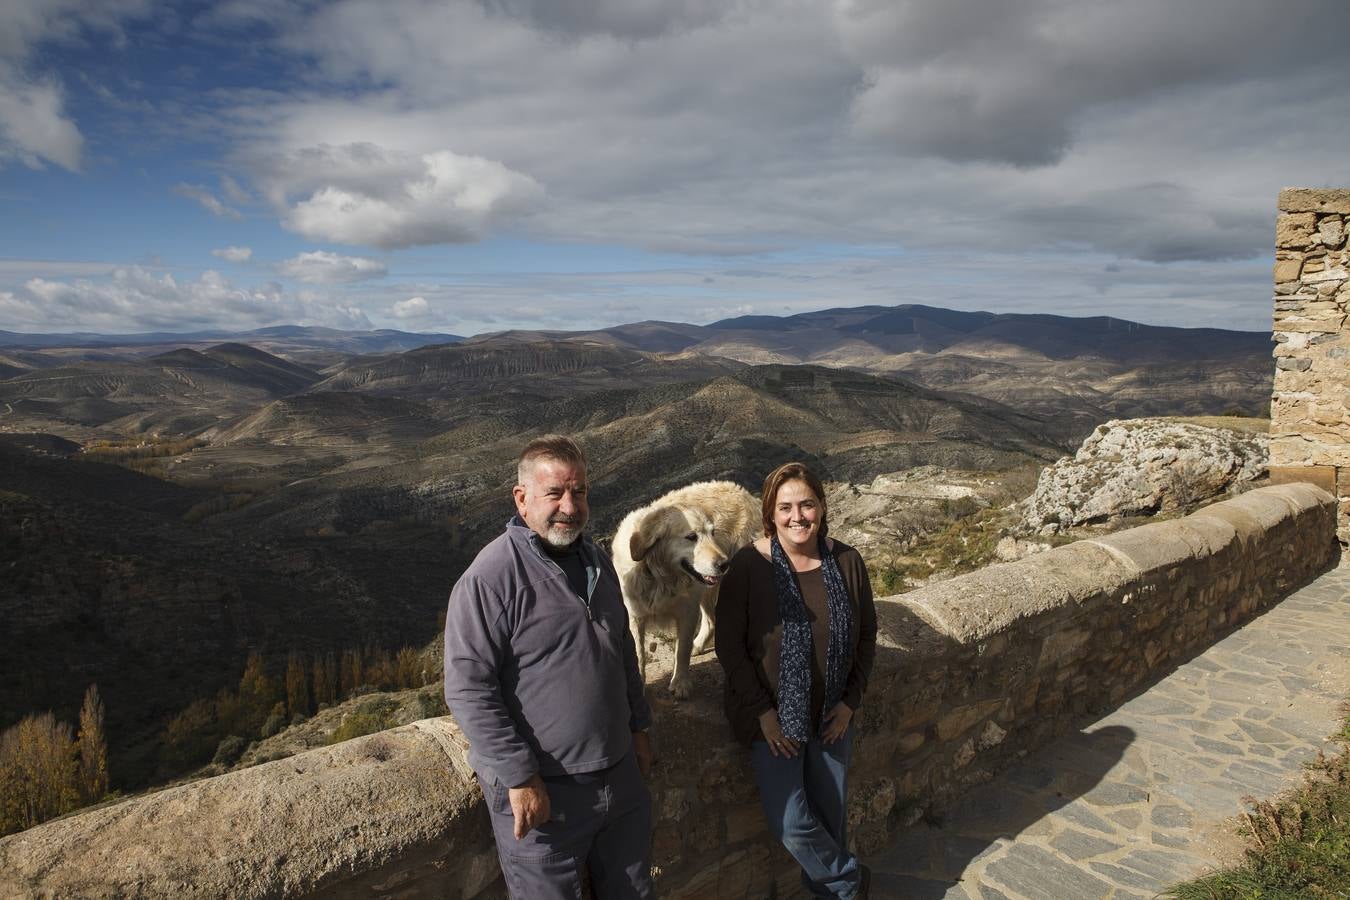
{"x":297,"y":686}
{"x":258,"y":692}
{"x":37,"y":772}
{"x":93,"y":748}
{"x":380,"y":670}
{"x":351,"y":672}
{"x":409,"y":668}
{"x":325,"y":680}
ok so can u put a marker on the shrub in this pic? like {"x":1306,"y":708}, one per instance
{"x":371,"y":716}
{"x":275,"y":722}
{"x":229,"y":750}
{"x":433,"y":703}
{"x":190,"y":736}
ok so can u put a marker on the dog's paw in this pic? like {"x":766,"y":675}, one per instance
{"x":682,"y":687}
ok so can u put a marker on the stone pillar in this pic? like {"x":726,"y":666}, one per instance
{"x":1310,"y":408}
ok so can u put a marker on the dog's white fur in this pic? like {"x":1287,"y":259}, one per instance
{"x":671,"y":555}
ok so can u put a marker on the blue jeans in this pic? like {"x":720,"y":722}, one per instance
{"x":600,"y":821}
{"x":805,"y":800}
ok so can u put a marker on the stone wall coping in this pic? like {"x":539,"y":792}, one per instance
{"x":975,"y":607}
{"x":284,"y":828}
{"x":995,"y":599}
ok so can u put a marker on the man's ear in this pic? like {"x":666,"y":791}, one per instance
{"x":650,"y":529}
{"x":518,"y":494}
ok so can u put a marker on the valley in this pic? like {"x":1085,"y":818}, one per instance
{"x":169,"y":507}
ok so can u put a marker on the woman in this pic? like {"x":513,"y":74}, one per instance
{"x":796,"y":634}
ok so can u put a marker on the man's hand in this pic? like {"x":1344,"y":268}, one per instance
{"x":529,"y":805}
{"x":836,"y":722}
{"x":642,"y":748}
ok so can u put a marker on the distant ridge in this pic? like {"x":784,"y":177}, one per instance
{"x":1095,"y":332}
{"x":1056,"y":336}
{"x":373,"y":341}
{"x":1076,"y":370}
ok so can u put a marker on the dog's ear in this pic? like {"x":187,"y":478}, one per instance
{"x":650,"y":529}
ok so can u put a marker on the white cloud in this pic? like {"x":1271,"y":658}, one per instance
{"x":619,"y":18}
{"x":35,"y":127}
{"x":782,"y":130}
{"x":364,"y":194}
{"x":1186,"y":293}
{"x":412,"y":308}
{"x":234,"y":191}
{"x":30,"y":22}
{"x":15,"y":271}
{"x":322,"y":267}
{"x":136,"y":299}
{"x":208,"y":200}
{"x":1010,"y":82}
{"x":234,"y":254}
{"x":33,"y":124}
{"x":867,"y":121}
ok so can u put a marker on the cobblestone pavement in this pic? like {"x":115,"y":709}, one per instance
{"x":1144,"y":797}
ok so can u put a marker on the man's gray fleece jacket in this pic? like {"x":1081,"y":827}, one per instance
{"x":540,"y":679}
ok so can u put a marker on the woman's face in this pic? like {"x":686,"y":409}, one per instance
{"x":797,"y":512}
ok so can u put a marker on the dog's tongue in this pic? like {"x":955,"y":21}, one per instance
{"x":711,"y":579}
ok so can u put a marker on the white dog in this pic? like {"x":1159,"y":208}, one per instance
{"x":670,"y":557}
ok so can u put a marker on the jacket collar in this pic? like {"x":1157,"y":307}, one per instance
{"x":517,"y":528}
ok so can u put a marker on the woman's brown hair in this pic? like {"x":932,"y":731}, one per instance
{"x":793,"y":471}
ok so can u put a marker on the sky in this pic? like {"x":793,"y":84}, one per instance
{"x":466,"y":166}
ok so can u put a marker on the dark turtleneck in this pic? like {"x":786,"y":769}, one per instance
{"x":573,"y":564}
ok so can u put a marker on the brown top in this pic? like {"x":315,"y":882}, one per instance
{"x":817,"y":601}
{"x":750,"y":633}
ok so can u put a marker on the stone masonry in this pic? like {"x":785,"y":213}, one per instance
{"x":1310,"y":408}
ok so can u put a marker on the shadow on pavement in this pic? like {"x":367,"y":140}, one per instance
{"x":929,"y":859}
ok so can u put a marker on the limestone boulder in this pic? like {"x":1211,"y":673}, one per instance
{"x":1141,"y":467}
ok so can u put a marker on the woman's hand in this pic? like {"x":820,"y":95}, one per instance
{"x":836,"y":723}
{"x":779,"y":743}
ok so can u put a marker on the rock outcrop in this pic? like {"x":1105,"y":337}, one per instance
{"x":1142,"y":467}
{"x":891,"y":512}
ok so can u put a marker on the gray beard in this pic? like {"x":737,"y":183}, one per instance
{"x":561,"y":536}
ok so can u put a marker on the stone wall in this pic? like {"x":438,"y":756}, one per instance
{"x":970,"y":674}
{"x":1310,"y":409}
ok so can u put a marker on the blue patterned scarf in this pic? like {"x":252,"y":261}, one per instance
{"x":794,"y":655}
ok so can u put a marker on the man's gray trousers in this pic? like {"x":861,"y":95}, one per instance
{"x":601,"y":821}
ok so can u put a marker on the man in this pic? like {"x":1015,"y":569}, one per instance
{"x":541,"y":674}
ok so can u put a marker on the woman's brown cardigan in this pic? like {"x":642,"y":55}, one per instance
{"x":749,"y":634}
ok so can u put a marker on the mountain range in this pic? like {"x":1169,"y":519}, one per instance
{"x":171,"y":503}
